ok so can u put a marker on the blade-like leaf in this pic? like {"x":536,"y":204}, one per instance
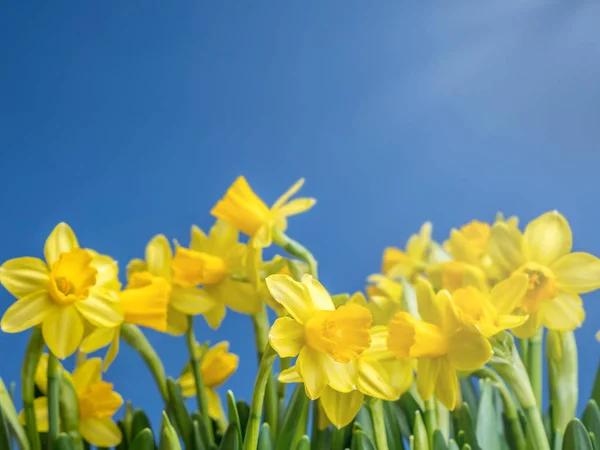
{"x":393,"y":428}
{"x":487,"y":428}
{"x":288,"y":430}
{"x":243,"y":413}
{"x":439,"y":443}
{"x":303,"y":443}
{"x":467,"y":427}
{"x":177,"y":406}
{"x":420,"y":434}
{"x":63,"y":442}
{"x":144,"y":440}
{"x":12,"y":418}
{"x":591,"y":418}
{"x":265,"y":439}
{"x":168,"y":435}
{"x":231,"y":439}
{"x":232,"y":413}
{"x":576,"y":437}
{"x":360,"y":441}
{"x":139,"y":422}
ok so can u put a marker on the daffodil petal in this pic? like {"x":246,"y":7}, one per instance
{"x":507,"y":294}
{"x":446,"y":388}
{"x":263,"y":236}
{"x":100,"y":311}
{"x":63,"y":330}
{"x":215,"y":409}
{"x":468,"y":350}
{"x":158,"y":257}
{"x":340,"y":407}
{"x":549,"y":237}
{"x":27,"y":312}
{"x":507,"y":247}
{"x":86,"y":374}
{"x":40,"y":409}
{"x":578,"y":272}
{"x":312,"y":370}
{"x":135,"y":266}
{"x":239,"y":296}
{"x":427,"y":375}
{"x":428,"y":307}
{"x":509,"y":321}
{"x":188,"y":384}
{"x":290,"y":375}
{"x":374,"y":380}
{"x":318,"y":294}
{"x":191,"y":300}
{"x":563,"y":313}
{"x":297,"y":206}
{"x":107,"y":271}
{"x":61,"y":240}
{"x":111,"y":353}
{"x":215,"y":316}
{"x":23,"y":276}
{"x":292,"y":295}
{"x":177,"y":322}
{"x":198,"y":239}
{"x":529,"y":327}
{"x":288,"y":194}
{"x":222,"y":238}
{"x":102,"y":432}
{"x":286,"y":337}
{"x":97,"y":339}
{"x":342,"y":376}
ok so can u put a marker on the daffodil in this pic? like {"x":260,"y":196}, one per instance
{"x":556,"y":275}
{"x":412,"y":261}
{"x":214,"y":261}
{"x":243,"y":209}
{"x":441,"y":343}
{"x":377,"y":373}
{"x":492,"y":312}
{"x":74,"y":286}
{"x":216,"y":367}
{"x":452,"y":275}
{"x":326,"y":340}
{"x":144,"y":302}
{"x":96,"y":400}
{"x":184,"y":300}
{"x":380,"y":304}
{"x":278,"y":265}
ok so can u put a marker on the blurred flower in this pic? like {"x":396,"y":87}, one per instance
{"x":243,"y":209}
{"x":217,"y":366}
{"x":397,"y":263}
{"x":74,"y":285}
{"x":213,"y":261}
{"x":381,"y":306}
{"x":326,"y":340}
{"x":144,"y":302}
{"x":97,"y":403}
{"x":452,"y":275}
{"x":556,"y":276}
{"x":441,"y":343}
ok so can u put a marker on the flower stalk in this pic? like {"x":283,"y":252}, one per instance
{"x":54,"y":381}
{"x":200,"y":390}
{"x":294,"y":248}
{"x":375,"y":406}
{"x":69,"y":412}
{"x":534,"y":365}
{"x":32,"y":358}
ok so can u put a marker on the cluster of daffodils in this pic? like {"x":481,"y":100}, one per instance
{"x":434,"y":314}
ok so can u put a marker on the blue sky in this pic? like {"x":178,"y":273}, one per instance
{"x":128,"y":119}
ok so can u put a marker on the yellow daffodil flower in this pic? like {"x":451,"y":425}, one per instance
{"x":243,"y":209}
{"x":381,"y":305}
{"x":378,"y":373}
{"x":216,"y":367}
{"x":97,"y":403}
{"x":213,"y":261}
{"x":452,"y":275}
{"x":492,"y":313}
{"x":326,"y":340}
{"x":441,"y":343}
{"x":74,"y":286}
{"x":412,"y":261}
{"x":144,"y":302}
{"x":556,"y":276}
{"x":184,"y":300}
{"x":278,"y":265}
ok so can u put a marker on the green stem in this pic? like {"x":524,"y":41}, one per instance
{"x":284,"y":363}
{"x":134,"y":337}
{"x":260,"y":321}
{"x":294,"y":248}
{"x":430,"y":419}
{"x":536,"y":428}
{"x":54,"y":379}
{"x":264,"y":371}
{"x":510,"y":409}
{"x":69,"y":412}
{"x":375,"y":406}
{"x":200,"y":391}
{"x":30,"y":363}
{"x":317,"y":437}
{"x":534,"y":365}
{"x":443,"y":419}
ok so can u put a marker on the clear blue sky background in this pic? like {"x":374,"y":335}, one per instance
{"x":131,"y":118}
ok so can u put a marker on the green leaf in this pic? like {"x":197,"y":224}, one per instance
{"x":12,"y":418}
{"x":63,"y":442}
{"x":232,"y":413}
{"x":168,"y":436}
{"x":360,"y":441}
{"x":466,"y":447}
{"x":177,"y":406}
{"x":576,"y":437}
{"x":420,"y":433}
{"x":303,"y":443}
{"x":393,"y":430}
{"x":243,"y":413}
{"x":287,"y":431}
{"x":127,"y":420}
{"x":487,"y":429}
{"x":469,"y":395}
{"x":265,"y":439}
{"x":4,"y":434}
{"x":363,"y":418}
{"x":231,"y":439}
{"x":596,"y":388}
{"x":144,"y":440}
{"x":341,"y":437}
{"x":410,"y":406}
{"x":124,"y":445}
{"x":594,"y":442}
{"x":591,"y":418}
{"x":452,"y":445}
{"x":199,"y":440}
{"x":439,"y":442}
{"x":139,"y":422}
{"x":466,"y":426}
